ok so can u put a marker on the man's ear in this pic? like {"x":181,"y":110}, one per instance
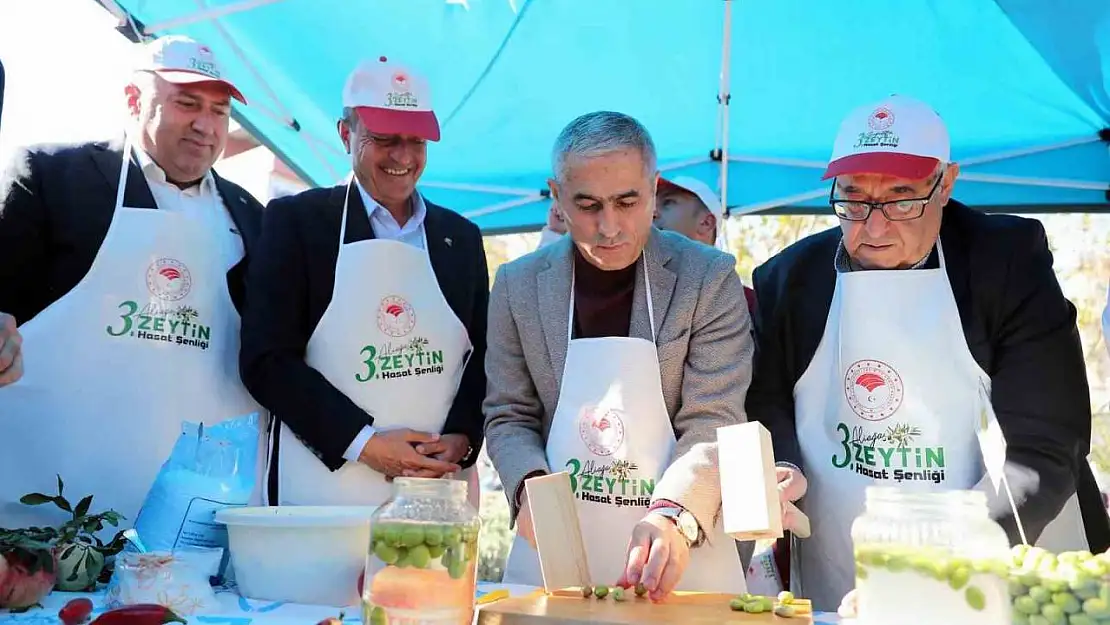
{"x":344,"y":130}
{"x":951,"y":172}
{"x":708,"y":223}
{"x":134,"y":96}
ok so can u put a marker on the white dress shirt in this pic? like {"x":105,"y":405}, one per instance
{"x":386,"y":227}
{"x":201,"y":201}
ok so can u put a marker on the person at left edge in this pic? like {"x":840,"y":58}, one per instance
{"x":368,"y":338}
{"x":123,"y":263}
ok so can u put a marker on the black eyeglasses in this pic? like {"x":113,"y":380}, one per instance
{"x":894,"y":210}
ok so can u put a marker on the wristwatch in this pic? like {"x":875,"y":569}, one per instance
{"x":685,"y":522}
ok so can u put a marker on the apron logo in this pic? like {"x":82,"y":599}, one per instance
{"x":601,"y":429}
{"x":169,"y":279}
{"x":873,"y":389}
{"x":396,"y":317}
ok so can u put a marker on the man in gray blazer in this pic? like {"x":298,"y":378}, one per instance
{"x":614,"y":354}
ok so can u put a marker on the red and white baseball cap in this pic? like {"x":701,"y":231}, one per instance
{"x":391,"y":100}
{"x":183,"y":60}
{"x":898,"y":136}
{"x":707,"y":196}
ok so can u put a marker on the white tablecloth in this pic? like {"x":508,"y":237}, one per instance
{"x":240,"y":611}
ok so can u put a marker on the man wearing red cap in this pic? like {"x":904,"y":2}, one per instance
{"x":124,"y":267}
{"x":368,"y":333}
{"x":906,"y":327}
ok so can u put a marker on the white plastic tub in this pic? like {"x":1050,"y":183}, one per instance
{"x":299,"y":554}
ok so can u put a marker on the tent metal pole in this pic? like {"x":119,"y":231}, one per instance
{"x":782,"y":201}
{"x":479,"y":188}
{"x":1051,"y":147}
{"x":723,"y":97}
{"x":1059,"y":183}
{"x":290,"y":121}
{"x":503,"y":206}
{"x":206,"y":14}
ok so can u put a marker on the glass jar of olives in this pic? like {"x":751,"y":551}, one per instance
{"x":422,"y":562}
{"x":931,"y":559}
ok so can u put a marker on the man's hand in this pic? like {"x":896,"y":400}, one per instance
{"x":449,"y":448}
{"x":792,"y":487}
{"x":849,"y":607}
{"x":657,"y":557}
{"x":524,"y":527}
{"x":11,"y":351}
{"x":392,"y":453}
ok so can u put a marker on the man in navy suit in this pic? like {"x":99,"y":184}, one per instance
{"x":915,"y":325}
{"x":124,"y":264}
{"x":368,"y":339}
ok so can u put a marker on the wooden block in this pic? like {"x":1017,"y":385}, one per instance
{"x":749,"y":489}
{"x":562,"y":554}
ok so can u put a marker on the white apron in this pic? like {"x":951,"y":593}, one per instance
{"x":147,"y":339}
{"x":612,"y":433}
{"x":892,"y":397}
{"x":389,"y":341}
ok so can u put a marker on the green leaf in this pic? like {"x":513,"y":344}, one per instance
{"x":60,"y":485}
{"x":62,"y":503}
{"x":35,"y":499}
{"x":83,"y":506}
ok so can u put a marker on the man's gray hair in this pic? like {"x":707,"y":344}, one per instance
{"x":602,"y":132}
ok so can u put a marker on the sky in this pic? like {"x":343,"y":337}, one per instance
{"x":54,"y":95}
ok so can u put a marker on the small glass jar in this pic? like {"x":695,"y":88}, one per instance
{"x":930,"y":559}
{"x":422,"y":564}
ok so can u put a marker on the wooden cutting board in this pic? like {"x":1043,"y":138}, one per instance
{"x":564,"y":608}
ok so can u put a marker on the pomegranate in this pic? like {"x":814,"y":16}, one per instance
{"x":27,"y":574}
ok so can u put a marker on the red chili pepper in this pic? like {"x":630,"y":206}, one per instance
{"x":140,"y":614}
{"x":76,"y":611}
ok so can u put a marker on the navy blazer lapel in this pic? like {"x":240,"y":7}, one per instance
{"x":358,"y":220}
{"x":441,"y":253}
{"x":239,"y":207}
{"x":108,"y":158}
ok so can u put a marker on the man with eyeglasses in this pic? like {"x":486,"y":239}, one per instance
{"x":369,"y":337}
{"x":884,"y":344}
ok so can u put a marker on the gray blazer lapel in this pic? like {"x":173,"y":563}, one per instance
{"x":657,"y":255}
{"x":553,"y":284}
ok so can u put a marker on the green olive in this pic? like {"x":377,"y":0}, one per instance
{"x":736,"y":604}
{"x":754,"y":607}
{"x":1067,"y":602}
{"x":1027,"y":605}
{"x":385,"y":553}
{"x":958,"y":578}
{"x":1095,"y":608}
{"x":457,"y":569}
{"x":975,"y":598}
{"x":412,"y":536}
{"x":378,"y":616}
{"x":641,"y":590}
{"x":419,"y":557}
{"x":587,"y":592}
{"x":618,"y":593}
{"x":436,"y":551}
{"x":1081,"y":619}
{"x":452,"y":536}
{"x":1040,"y":594}
{"x":402,"y":558}
{"x":433,"y":536}
{"x":391,"y":535}
{"x":785,"y":610}
{"x":601,"y":591}
{"x":1016,"y":589}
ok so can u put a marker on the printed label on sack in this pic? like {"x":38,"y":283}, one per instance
{"x":164,"y":317}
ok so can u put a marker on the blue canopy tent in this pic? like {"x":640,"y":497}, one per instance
{"x":744,"y":94}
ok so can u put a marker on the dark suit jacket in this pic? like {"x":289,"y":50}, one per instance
{"x":1019,"y":327}
{"x":56,"y":203}
{"x":291,"y":286}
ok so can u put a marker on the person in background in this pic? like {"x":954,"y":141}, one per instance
{"x":689,"y":207}
{"x":615,"y":354}
{"x":922,"y":315}
{"x":367,"y":331}
{"x":123,"y":266}
{"x":555,"y":228}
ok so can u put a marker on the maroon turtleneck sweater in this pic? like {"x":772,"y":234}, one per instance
{"x":602,"y":299}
